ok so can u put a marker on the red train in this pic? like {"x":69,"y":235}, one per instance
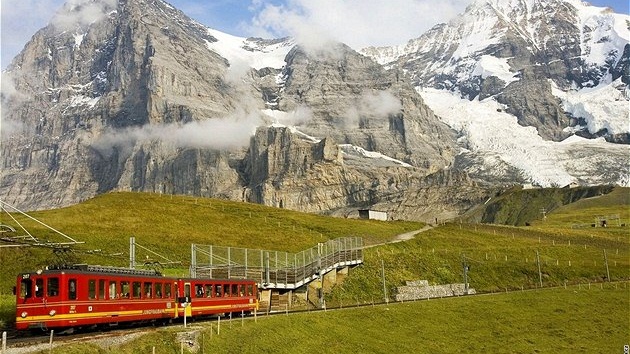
{"x":87,"y":296}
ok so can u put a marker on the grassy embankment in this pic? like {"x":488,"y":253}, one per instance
{"x":541,"y":321}
{"x":504,"y":257}
{"x":168,"y":225}
{"x":500,"y":258}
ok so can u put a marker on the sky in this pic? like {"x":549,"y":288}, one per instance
{"x":358,"y":23}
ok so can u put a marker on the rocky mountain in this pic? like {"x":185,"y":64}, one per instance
{"x":559,"y":66}
{"x":134,"y":95}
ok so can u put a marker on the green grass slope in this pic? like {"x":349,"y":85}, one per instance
{"x":543,"y":321}
{"x":503,"y":257}
{"x":168,"y":225}
{"x":522,"y":206}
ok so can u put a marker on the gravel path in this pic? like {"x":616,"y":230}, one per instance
{"x":403,"y":237}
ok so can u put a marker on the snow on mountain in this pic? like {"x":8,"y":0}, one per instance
{"x":506,"y":51}
{"x":454,"y":48}
{"x":602,"y":107}
{"x":602,"y":31}
{"x":488,"y":131}
{"x":492,"y":66}
{"x":254,"y":52}
{"x":353,"y":152}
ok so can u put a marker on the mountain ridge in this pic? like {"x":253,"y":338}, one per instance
{"x":144,"y":98}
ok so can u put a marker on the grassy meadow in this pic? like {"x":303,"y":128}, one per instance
{"x":577,"y":309}
{"x":168,"y":225}
{"x":554,"y":320}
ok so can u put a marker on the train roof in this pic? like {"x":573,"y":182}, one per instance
{"x":120,"y":271}
{"x":85,"y":268}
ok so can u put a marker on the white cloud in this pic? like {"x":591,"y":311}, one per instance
{"x":375,"y":104}
{"x":8,"y":92}
{"x":82,"y":13}
{"x":358,"y":23}
{"x":219,"y":133}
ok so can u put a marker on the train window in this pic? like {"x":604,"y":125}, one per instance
{"x":124,"y":289}
{"x":250,"y":290}
{"x":199,"y":290}
{"x":101,"y":288}
{"x":167,"y":290}
{"x":187,"y":289}
{"x":137,"y":289}
{"x":53,"y":286}
{"x":208,"y":290}
{"x":234,"y":289}
{"x":158,"y":290}
{"x":72,"y":289}
{"x":112,"y":290}
{"x":148,"y":287}
{"x":219,"y":289}
{"x":91,"y":289}
{"x":39,"y":287}
{"x":226,"y":290}
{"x":26,"y":288}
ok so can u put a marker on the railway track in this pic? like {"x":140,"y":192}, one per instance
{"x":19,"y":343}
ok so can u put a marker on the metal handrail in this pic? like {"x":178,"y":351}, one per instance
{"x":276,"y":269}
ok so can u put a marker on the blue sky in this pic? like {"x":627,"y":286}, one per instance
{"x":358,"y":23}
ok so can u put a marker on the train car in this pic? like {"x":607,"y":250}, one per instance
{"x":87,"y":296}
{"x":203,"y":297}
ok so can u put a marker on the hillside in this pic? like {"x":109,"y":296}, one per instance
{"x":169,"y":224}
{"x":569,"y":250}
{"x":519,"y":207}
{"x":501,"y":258}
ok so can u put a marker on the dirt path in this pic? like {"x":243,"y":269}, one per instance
{"x":403,"y":237}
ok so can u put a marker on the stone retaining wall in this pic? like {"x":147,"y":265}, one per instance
{"x":420,"y":289}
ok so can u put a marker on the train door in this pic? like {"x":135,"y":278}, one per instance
{"x":188,"y":308}
{"x":25,"y":289}
{"x":31,"y":289}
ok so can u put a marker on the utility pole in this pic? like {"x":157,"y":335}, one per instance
{"x":132,"y":252}
{"x":465,"y":266}
{"x":539,"y":272}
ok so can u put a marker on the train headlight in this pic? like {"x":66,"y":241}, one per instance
{"x":24,"y":314}
{"x":52,"y":312}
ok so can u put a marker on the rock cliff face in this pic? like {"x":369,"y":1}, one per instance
{"x":140,"y":98}
{"x":82,"y":89}
{"x":356,"y":101}
{"x":134,"y":95}
{"x":515,"y":50}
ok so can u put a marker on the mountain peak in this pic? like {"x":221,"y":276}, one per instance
{"x":81,"y":13}
{"x":134,"y":95}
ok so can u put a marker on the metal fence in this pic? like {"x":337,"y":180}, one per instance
{"x":275,"y":269}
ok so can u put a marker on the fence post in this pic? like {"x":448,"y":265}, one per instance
{"x":229,"y":262}
{"x":4,"y":342}
{"x":539,"y":272}
{"x":384,"y":287}
{"x":50,"y":343}
{"x":607,"y":270}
